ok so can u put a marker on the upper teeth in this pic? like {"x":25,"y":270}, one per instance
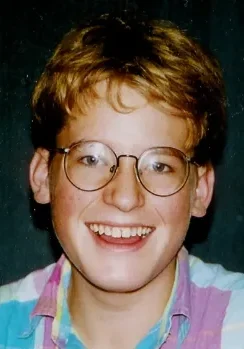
{"x":118,"y":232}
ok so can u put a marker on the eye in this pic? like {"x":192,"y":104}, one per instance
{"x":89,"y":160}
{"x":160,"y":167}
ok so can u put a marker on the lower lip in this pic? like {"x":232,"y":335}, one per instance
{"x":120,"y":244}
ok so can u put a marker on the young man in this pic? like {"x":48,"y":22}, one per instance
{"x":129,"y":120}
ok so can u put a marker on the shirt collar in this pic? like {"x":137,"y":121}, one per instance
{"x":182,"y":302}
{"x":47,"y":303}
{"x":178,"y":309}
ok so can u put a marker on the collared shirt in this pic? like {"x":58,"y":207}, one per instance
{"x":205,"y":310}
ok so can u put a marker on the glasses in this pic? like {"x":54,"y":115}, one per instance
{"x":90,"y":166}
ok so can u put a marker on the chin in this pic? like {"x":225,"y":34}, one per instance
{"x":117,"y":285}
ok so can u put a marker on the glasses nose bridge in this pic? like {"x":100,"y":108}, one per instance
{"x":135,"y":165}
{"x":127,"y":156}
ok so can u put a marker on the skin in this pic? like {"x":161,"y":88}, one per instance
{"x":109,"y":286}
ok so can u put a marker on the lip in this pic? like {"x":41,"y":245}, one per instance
{"x":132,"y":244}
{"x":120,"y":225}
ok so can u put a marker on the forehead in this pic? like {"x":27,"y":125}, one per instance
{"x":134,"y":128}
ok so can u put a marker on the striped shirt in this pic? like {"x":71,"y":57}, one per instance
{"x":205,"y":310}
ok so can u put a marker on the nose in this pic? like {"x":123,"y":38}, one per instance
{"x":124,"y":191}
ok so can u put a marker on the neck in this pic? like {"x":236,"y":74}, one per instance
{"x":111,"y":315}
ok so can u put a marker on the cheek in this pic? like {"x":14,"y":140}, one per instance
{"x":175,"y":210}
{"x":63,"y":200}
{"x":69,"y":206}
{"x":66,"y":200}
{"x":180,"y":208}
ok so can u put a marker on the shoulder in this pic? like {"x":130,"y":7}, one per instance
{"x":18,"y":299}
{"x":215,"y":275}
{"x":26,"y":289}
{"x":226,"y":287}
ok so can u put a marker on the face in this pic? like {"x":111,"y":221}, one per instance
{"x":123,"y":203}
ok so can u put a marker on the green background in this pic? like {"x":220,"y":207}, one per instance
{"x":28,"y":34}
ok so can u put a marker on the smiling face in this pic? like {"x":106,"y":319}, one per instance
{"x":123,"y":207}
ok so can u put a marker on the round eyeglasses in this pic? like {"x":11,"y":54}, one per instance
{"x":91,"y":165}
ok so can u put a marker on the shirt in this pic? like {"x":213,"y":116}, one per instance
{"x":205,"y":310}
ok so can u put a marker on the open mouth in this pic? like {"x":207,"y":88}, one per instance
{"x":127,"y":237}
{"x":120,"y":232}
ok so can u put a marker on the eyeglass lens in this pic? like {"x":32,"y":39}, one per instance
{"x":91,"y":165}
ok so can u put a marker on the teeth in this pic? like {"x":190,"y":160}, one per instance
{"x":133,"y":231}
{"x":125,"y":232}
{"x":139,"y":231}
{"x":118,"y":232}
{"x":108,"y":231}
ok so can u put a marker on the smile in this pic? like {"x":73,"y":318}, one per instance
{"x":120,"y":232}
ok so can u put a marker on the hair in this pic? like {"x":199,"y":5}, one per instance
{"x":155,"y":58}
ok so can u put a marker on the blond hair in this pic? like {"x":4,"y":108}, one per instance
{"x":156,"y":58}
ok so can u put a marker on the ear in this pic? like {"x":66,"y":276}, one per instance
{"x":39,"y":180}
{"x":204,"y":190}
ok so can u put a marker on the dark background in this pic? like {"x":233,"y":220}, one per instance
{"x":28,"y":34}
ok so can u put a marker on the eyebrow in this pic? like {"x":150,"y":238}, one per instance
{"x":77,"y":142}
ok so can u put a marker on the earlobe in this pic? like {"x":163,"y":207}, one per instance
{"x":39,"y":180}
{"x":204,"y":190}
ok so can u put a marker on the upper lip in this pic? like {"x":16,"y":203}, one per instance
{"x":120,"y":225}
